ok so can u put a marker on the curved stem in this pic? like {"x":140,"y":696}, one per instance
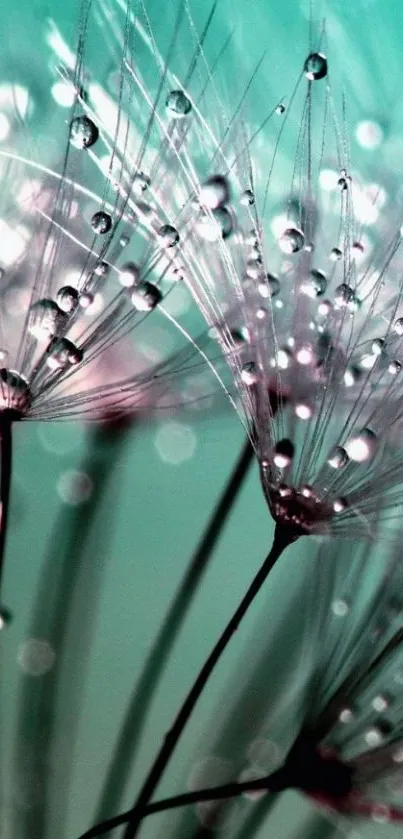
{"x":158,"y":656}
{"x":282,"y":538}
{"x":270,"y":783}
{"x":5,"y":483}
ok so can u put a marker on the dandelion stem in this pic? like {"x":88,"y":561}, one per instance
{"x":5,"y":482}
{"x":153,"y":668}
{"x":282,"y":538}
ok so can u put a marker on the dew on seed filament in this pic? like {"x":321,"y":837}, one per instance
{"x":338,"y":458}
{"x":214,"y":192}
{"x":247,"y":198}
{"x":269,"y":287}
{"x":101,"y":269}
{"x":15,"y":393}
{"x":378,"y":346}
{"x":361,"y":447}
{"x":344,"y":180}
{"x":45,"y":319}
{"x":340,"y":608}
{"x":303,"y":411}
{"x":344,"y":297}
{"x":146,"y":297}
{"x":254,"y":269}
{"x":168,"y":235}
{"x":305,"y":355}
{"x":101,"y":222}
{"x":283,"y":453}
{"x":140,"y":183}
{"x":315,"y":67}
{"x":86,"y":299}
{"x":380,"y":703}
{"x":177,"y":104}
{"x":129,"y":275}
{"x":314,"y":285}
{"x":398,"y":327}
{"x":346,"y":715}
{"x":279,"y":110}
{"x":5,"y":617}
{"x":249,"y":374}
{"x":83,"y":132}
{"x":62,"y":353}
{"x":339,"y":505}
{"x":218,"y":224}
{"x":373,"y":736}
{"x":283,"y":358}
{"x":394,"y":368}
{"x":292,"y":240}
{"x":335,"y":254}
{"x":67,"y":299}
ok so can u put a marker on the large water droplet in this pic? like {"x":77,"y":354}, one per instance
{"x":101,"y":222}
{"x":67,"y":299}
{"x":292,"y":240}
{"x":398,"y":327}
{"x":45,"y":319}
{"x":338,"y":458}
{"x":344,"y":297}
{"x":83,"y":132}
{"x":361,"y":447}
{"x":129,"y":275}
{"x":177,"y":104}
{"x":214,"y":192}
{"x":215,"y":225}
{"x":283,"y":453}
{"x":249,"y":373}
{"x":146,"y":297}
{"x":168,"y":235}
{"x":315,"y":66}
{"x":15,"y":393}
{"x":315,"y":284}
{"x":335,"y":254}
{"x":62,"y":354}
{"x":247,"y":198}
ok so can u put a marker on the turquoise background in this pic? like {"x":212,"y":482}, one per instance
{"x":153,"y":512}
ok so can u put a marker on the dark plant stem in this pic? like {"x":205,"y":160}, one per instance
{"x":227,"y":791}
{"x":282,"y":538}
{"x":5,"y":484}
{"x":158,"y":656}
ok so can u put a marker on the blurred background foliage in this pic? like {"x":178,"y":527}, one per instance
{"x":135,"y":519}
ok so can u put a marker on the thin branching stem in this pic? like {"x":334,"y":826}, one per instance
{"x":282,"y":538}
{"x":5,"y":483}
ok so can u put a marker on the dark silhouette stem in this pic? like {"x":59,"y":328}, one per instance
{"x":5,"y":484}
{"x":269,"y":783}
{"x":153,"y":669}
{"x":282,"y":538}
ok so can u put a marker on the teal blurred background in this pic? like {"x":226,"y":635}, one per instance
{"x":168,"y":475}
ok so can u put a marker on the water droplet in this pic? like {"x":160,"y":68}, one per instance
{"x":177,"y":104}
{"x":292,"y":240}
{"x":45,"y":319}
{"x":378,"y":346}
{"x":168,"y":235}
{"x":101,"y":269}
{"x":101,"y":222}
{"x":335,"y":254}
{"x":344,"y":296}
{"x":124,"y":240}
{"x":283,"y":453}
{"x":215,"y":225}
{"x":339,"y":505}
{"x":357,"y":249}
{"x":214,"y":192}
{"x":344,"y":180}
{"x":340,"y":608}
{"x":5,"y":617}
{"x":314,"y":285}
{"x":373,"y":736}
{"x":303,"y":411}
{"x":129,"y":275}
{"x":175,"y":442}
{"x":247,"y":198}
{"x":338,"y":458}
{"x":394,"y":368}
{"x":67,"y":299}
{"x":15,"y":393}
{"x":283,"y":358}
{"x":346,"y":715}
{"x":380,"y":703}
{"x":146,"y":297}
{"x":75,"y":487}
{"x":305,"y":355}
{"x":315,"y":67}
{"x":249,"y":373}
{"x":362,"y":446}
{"x":62,"y":353}
{"x":36,"y":657}
{"x":83,"y":132}
{"x":269,"y":287}
{"x":369,"y":134}
{"x":398,"y":327}
{"x":140,"y":183}
{"x":86,"y":299}
{"x":255,"y":270}
{"x":280,"y":109}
